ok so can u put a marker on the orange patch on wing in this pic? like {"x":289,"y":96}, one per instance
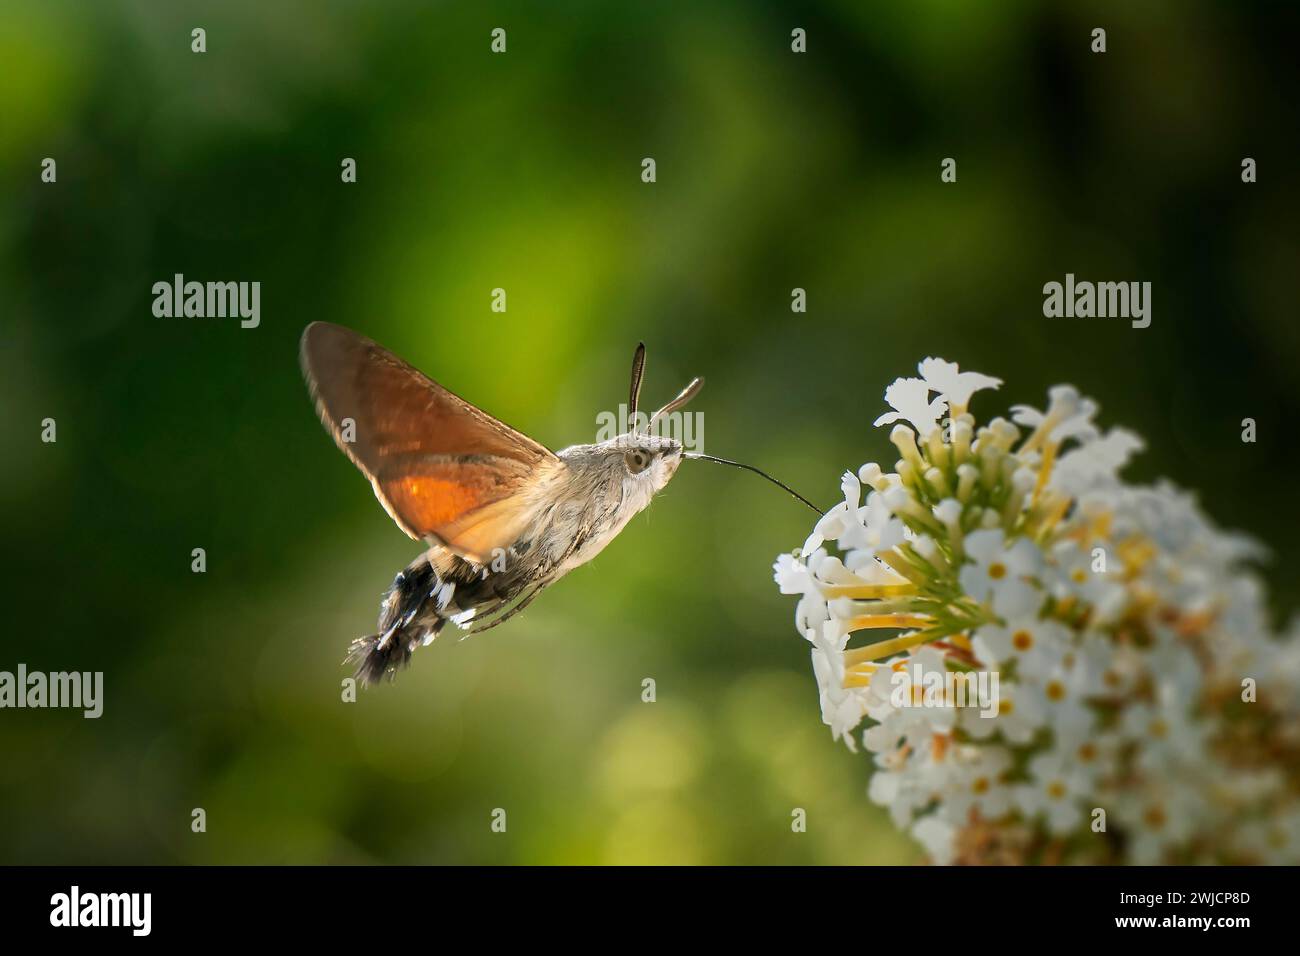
{"x":428,"y":502}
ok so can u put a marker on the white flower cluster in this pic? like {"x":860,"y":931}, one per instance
{"x":1144,"y":711}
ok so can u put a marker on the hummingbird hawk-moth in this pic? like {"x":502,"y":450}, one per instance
{"x":502,"y":517}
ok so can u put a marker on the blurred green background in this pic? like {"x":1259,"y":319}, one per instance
{"x":522,"y":171}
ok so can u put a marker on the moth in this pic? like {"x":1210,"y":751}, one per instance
{"x":501,"y":516}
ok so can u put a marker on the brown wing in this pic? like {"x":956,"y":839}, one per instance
{"x":442,"y":468}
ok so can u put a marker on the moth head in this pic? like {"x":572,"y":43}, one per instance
{"x":641,"y":461}
{"x":647,"y":459}
{"x":646,"y":456}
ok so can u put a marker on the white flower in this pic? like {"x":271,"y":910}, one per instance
{"x":1111,"y":669}
{"x":791,"y":575}
{"x":1094,"y":756}
{"x":841,"y":516}
{"x":998,"y":570}
{"x":1118,"y":621}
{"x":880,"y":529}
{"x":904,"y":790}
{"x":831,"y":525}
{"x":1071,"y":574}
{"x":1068,"y":415}
{"x":910,"y":399}
{"x":829,"y":569}
{"x":1035,"y":646}
{"x":1098,"y":462}
{"x":1062,"y":692}
{"x":920,"y":719}
{"x":977,"y":783}
{"x":954,"y":387}
{"x":1166,"y":736}
{"x":852,"y":489}
{"x":938,"y":837}
{"x":1175,"y":670}
{"x":1159,"y":819}
{"x":1020,"y":715}
{"x":810,"y":615}
{"x":1055,"y":791}
{"x":843,"y":708}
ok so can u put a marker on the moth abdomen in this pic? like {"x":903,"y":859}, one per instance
{"x":377,"y":656}
{"x":436,"y":588}
{"x":408,"y":616}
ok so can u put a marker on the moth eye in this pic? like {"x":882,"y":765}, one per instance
{"x":636,"y":461}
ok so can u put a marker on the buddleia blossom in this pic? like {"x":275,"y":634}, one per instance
{"x":1142,"y":711}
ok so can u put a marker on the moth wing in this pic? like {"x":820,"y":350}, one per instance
{"x":444,"y":470}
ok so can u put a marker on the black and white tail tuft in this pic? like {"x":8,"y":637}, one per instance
{"x":402,"y":626}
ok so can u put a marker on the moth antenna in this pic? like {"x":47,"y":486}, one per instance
{"x":758,"y":471}
{"x":684,"y":396}
{"x":638,"y":370}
